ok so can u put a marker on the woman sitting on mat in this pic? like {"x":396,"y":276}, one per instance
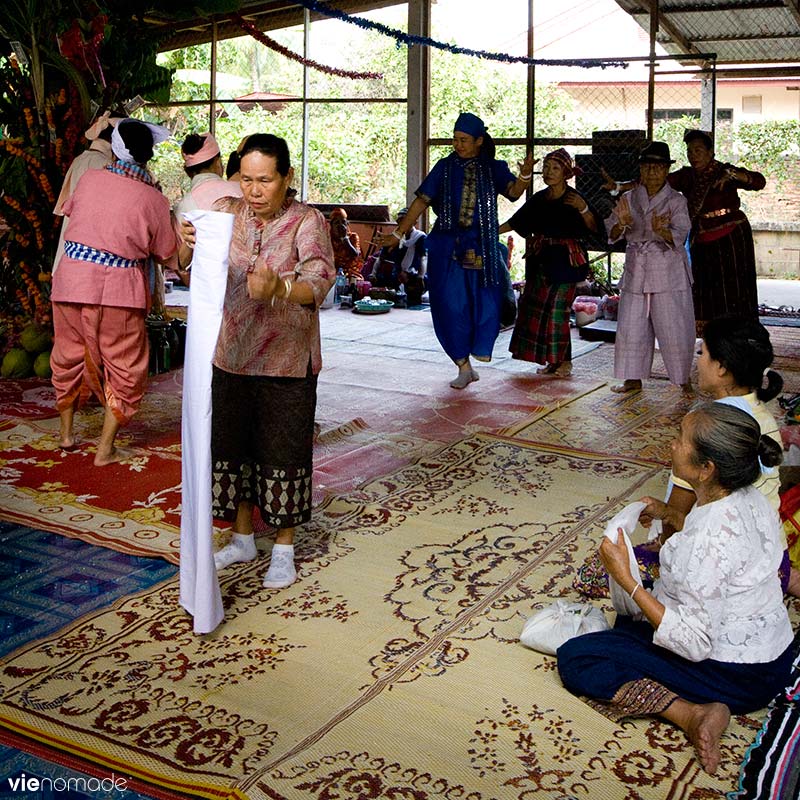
{"x":713,"y":636}
{"x":734,"y":359}
{"x":466,"y":279}
{"x":557,"y":218}
{"x":264,"y":385}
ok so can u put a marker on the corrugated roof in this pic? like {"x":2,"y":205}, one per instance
{"x":738,"y":31}
{"x":266,"y":16}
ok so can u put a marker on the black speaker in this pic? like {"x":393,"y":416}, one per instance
{"x":628,"y":141}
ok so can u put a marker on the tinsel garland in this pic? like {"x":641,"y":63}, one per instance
{"x":260,"y":36}
{"x":410,"y":39}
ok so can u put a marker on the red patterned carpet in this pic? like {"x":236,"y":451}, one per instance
{"x":374,"y":418}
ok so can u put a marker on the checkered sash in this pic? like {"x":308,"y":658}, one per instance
{"x":82,"y":252}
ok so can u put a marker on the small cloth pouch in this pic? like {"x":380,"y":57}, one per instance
{"x":549,"y":628}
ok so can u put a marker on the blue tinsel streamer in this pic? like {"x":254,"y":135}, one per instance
{"x":409,"y":39}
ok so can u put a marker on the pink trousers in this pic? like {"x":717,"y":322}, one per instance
{"x":100,"y":350}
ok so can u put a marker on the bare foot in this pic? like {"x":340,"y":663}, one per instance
{"x":793,"y":588}
{"x":464,"y":379}
{"x":564,"y":370}
{"x":114,"y":456}
{"x":475,"y":376}
{"x":627,"y":386}
{"x":550,"y":369}
{"x":705,"y":728}
{"x":68,"y":443}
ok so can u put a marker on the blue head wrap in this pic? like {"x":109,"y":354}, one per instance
{"x":469,"y":124}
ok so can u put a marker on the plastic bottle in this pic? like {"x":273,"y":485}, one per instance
{"x":341,"y":285}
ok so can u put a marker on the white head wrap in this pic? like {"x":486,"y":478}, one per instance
{"x":159,"y":132}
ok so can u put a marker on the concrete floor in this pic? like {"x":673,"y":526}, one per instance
{"x":773,"y":292}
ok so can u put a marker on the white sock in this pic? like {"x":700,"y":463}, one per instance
{"x":281,"y":572}
{"x":464,"y":378}
{"x":242,"y":547}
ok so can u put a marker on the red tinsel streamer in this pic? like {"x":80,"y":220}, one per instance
{"x":259,"y":36}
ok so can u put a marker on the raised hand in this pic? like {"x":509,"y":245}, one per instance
{"x":623,"y":211}
{"x":526,"y":167}
{"x":660,"y":223}
{"x":609,"y":184}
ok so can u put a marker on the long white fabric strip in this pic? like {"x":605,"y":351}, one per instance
{"x":199,"y":587}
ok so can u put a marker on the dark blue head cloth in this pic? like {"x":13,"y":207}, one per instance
{"x":469,"y":124}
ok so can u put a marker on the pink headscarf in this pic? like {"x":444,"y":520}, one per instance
{"x":209,"y":150}
{"x":100,"y":124}
{"x":567,"y":164}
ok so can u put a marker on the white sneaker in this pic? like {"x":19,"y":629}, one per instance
{"x":242,"y":547}
{"x":281,"y":572}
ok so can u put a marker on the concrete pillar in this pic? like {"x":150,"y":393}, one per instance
{"x":707,"y":103}
{"x":418,"y":108}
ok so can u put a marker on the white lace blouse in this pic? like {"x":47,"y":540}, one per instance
{"x":719,"y":583}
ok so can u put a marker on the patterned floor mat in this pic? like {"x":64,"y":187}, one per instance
{"x":392,"y":664}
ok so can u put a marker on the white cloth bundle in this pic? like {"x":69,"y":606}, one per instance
{"x":549,"y":628}
{"x":625,"y":519}
{"x":199,"y":587}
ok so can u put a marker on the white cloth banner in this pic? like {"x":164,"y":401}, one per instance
{"x":199,"y":587}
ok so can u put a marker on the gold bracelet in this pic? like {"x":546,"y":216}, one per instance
{"x":287,"y":288}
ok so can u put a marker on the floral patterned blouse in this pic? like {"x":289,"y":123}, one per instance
{"x":280,"y":339}
{"x":719,"y":583}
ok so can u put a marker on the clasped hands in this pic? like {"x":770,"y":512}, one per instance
{"x":265,"y":284}
{"x":262,"y":283}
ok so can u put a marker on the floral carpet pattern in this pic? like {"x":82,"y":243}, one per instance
{"x":369,"y":425}
{"x":392,"y":668}
{"x":643,"y":422}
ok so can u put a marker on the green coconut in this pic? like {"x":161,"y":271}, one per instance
{"x":41,"y":367}
{"x":35,"y":339}
{"x":17,"y":363}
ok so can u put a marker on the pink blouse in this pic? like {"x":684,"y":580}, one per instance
{"x":122,"y":216}
{"x":257,"y":337}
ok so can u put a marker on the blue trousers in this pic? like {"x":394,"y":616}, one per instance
{"x":466,"y":315}
{"x":598,"y":664}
